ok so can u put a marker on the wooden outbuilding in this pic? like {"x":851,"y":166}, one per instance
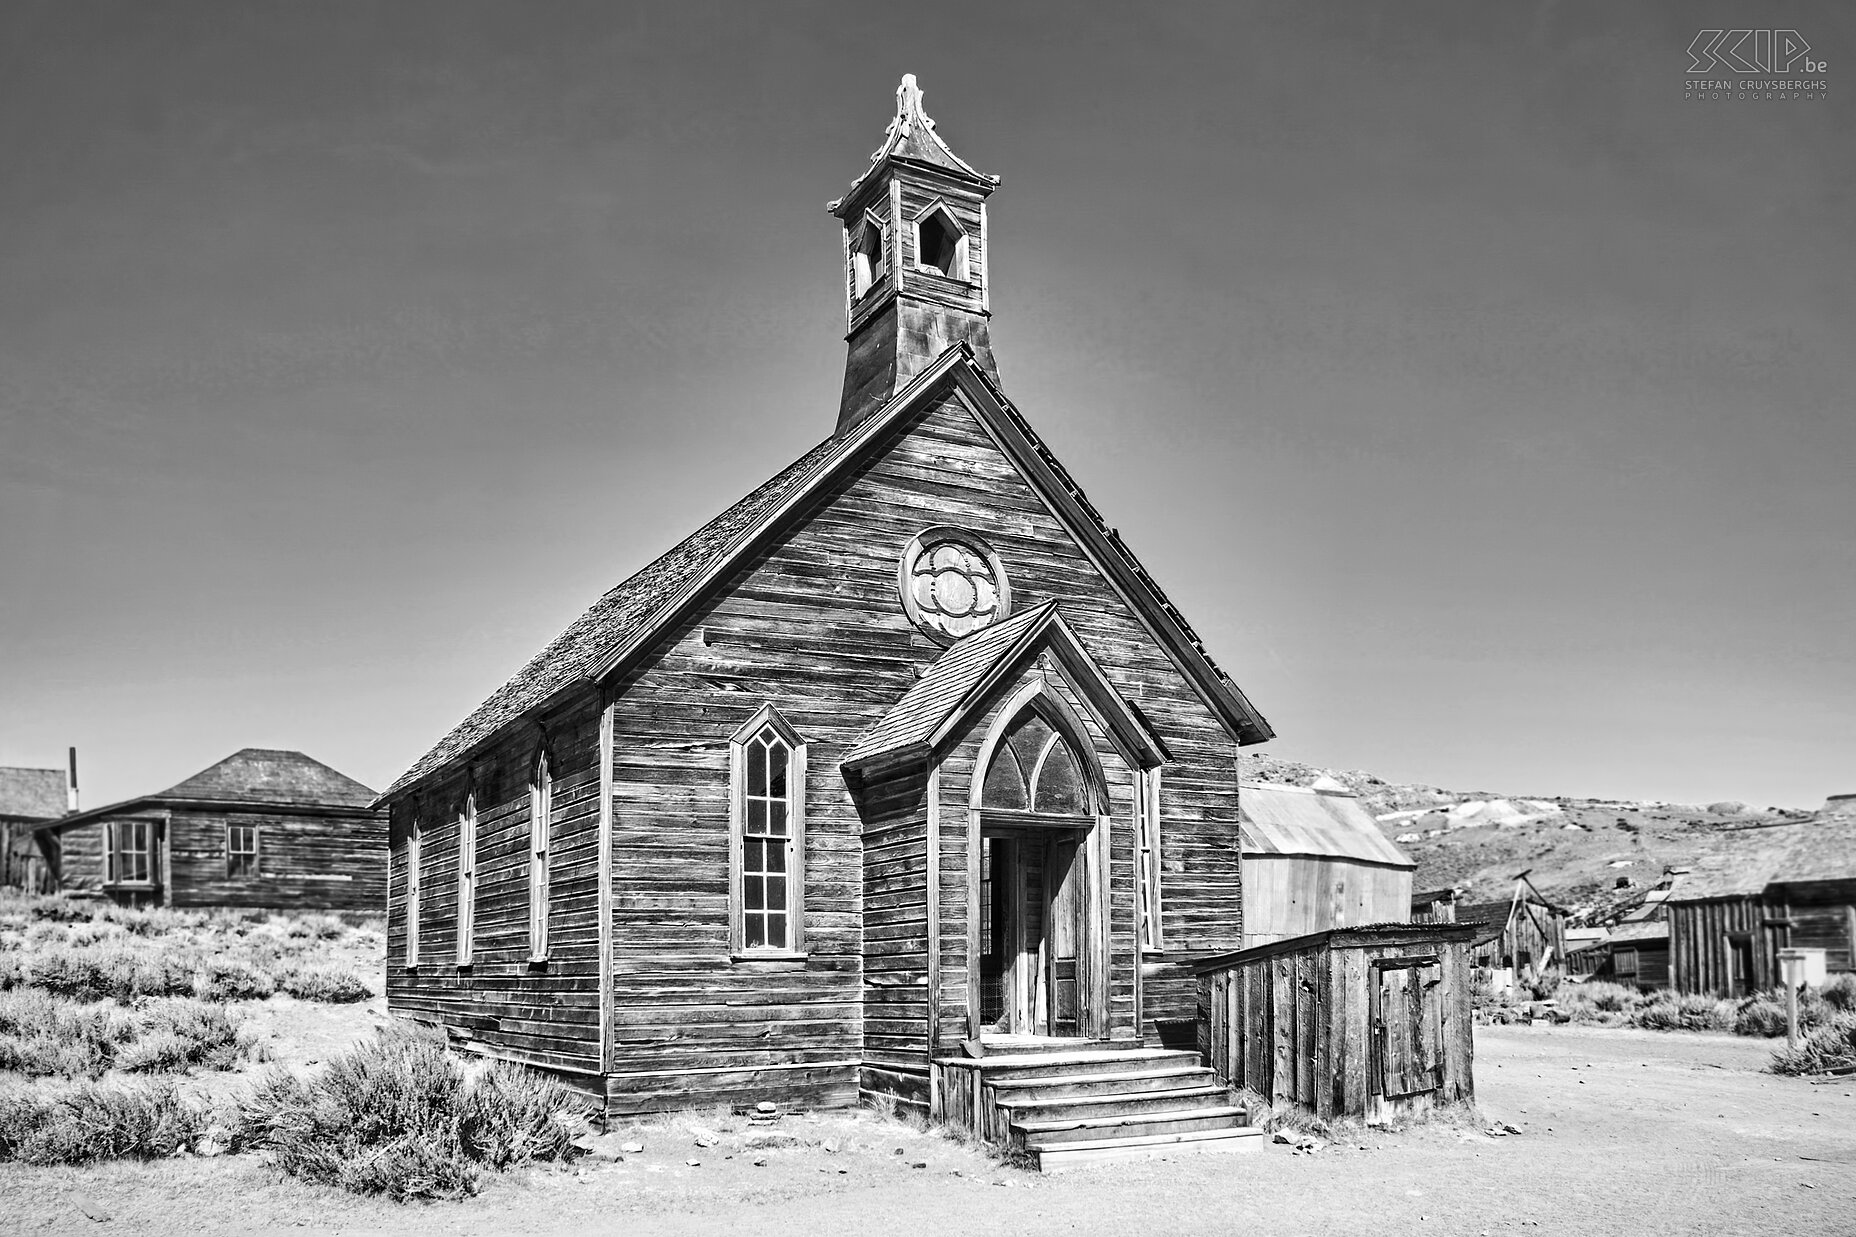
{"x":262,"y":828}
{"x":28,"y":798}
{"x":1517,"y":938}
{"x":1371,"y":1022}
{"x":1315,"y":859}
{"x":903,"y":764}
{"x":1760,"y":889}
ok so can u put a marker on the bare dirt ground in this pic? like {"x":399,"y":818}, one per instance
{"x":1623,"y":1132}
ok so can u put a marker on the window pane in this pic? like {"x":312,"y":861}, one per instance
{"x":776,"y":856}
{"x":1005,"y":785}
{"x":776,"y":893}
{"x":753,"y":894}
{"x":1060,"y":783}
{"x":776,"y":931}
{"x":755,"y":930}
{"x":757,"y":816}
{"x":1028,"y":740}
{"x":776,"y":818}
{"x":757,"y":768}
{"x":776,"y":761}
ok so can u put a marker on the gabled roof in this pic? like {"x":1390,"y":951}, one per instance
{"x":631,"y":615}
{"x":941,"y":701}
{"x":1292,"y":820}
{"x":260,"y":776}
{"x":911,"y":136}
{"x":1637,"y":933}
{"x":31,"y":794}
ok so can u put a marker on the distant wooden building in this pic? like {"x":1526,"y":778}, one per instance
{"x":1522,"y":935}
{"x":28,"y":799}
{"x":1433,"y":906}
{"x":261,"y":828}
{"x":901,"y":764}
{"x":1315,"y":859}
{"x":1761,"y":889}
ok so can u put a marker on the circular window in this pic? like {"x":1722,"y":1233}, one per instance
{"x":952,"y":584}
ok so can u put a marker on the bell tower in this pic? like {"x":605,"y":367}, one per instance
{"x":915,"y":249}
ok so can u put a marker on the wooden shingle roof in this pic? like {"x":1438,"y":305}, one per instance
{"x":911,"y":136}
{"x":913,"y":720}
{"x":631,"y":614}
{"x":31,"y":794}
{"x":268,"y":775}
{"x":1742,"y":862}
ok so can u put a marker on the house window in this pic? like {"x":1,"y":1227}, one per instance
{"x":540,"y":824}
{"x":241,"y":850}
{"x":767,"y":889}
{"x":129,"y":852}
{"x":1148,"y":786}
{"x":1036,"y":770}
{"x":413,"y":839}
{"x":952,"y":583}
{"x":467,"y":880}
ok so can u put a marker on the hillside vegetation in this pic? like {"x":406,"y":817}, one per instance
{"x":1576,"y":850}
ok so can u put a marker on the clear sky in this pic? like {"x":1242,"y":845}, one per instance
{"x":1487,"y":406}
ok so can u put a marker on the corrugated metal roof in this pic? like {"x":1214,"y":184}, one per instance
{"x":1289,"y":820}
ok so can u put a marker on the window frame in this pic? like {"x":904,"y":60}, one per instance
{"x":255,"y":853}
{"x":959,"y":267}
{"x":113,"y":852}
{"x":867,"y":270}
{"x":764,"y":717}
{"x":1149,"y":848}
{"x":467,"y":881}
{"x":415,"y":838}
{"x":540,"y":855}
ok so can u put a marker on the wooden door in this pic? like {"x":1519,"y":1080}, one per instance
{"x":1408,"y":1026}
{"x":1064,"y":877}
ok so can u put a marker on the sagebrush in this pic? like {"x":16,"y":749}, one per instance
{"x":399,"y":1116}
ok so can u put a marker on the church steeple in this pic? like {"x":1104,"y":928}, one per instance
{"x":914,"y":260}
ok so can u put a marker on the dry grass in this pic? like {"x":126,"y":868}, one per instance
{"x":1830,"y":1047}
{"x":94,"y":951}
{"x":399,"y":1116}
{"x":42,"y":1035}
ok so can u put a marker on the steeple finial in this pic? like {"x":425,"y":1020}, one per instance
{"x":909,"y":102}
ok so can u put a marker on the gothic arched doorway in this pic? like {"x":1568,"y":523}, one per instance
{"x":1039,"y":801}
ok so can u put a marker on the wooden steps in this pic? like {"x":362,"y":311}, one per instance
{"x":1091,"y":1105}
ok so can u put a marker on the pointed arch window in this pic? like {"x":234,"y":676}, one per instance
{"x":540,"y":845}
{"x":467,"y":880}
{"x":1035,"y":769}
{"x":767,"y":762}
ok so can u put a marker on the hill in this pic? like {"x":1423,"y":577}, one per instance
{"x":1578,"y":851}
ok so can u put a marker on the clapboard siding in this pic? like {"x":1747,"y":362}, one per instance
{"x":309,"y":859}
{"x":548,"y":1013}
{"x":305,"y":862}
{"x":809,"y":621}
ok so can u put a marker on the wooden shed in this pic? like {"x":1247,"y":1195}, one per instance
{"x":1370,"y":1022}
{"x":1315,"y":859}
{"x":28,"y":799}
{"x":1518,"y":937}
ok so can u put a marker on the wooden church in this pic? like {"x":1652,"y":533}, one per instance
{"x":901,"y":777}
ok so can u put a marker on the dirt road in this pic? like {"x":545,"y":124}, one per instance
{"x":1623,"y":1132}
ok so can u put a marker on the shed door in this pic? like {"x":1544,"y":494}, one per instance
{"x":1408,"y":1026}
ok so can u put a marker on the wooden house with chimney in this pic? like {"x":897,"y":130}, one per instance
{"x":261,"y":829}
{"x":900,"y":778}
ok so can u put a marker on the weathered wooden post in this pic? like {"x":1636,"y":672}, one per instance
{"x":1791,"y":965}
